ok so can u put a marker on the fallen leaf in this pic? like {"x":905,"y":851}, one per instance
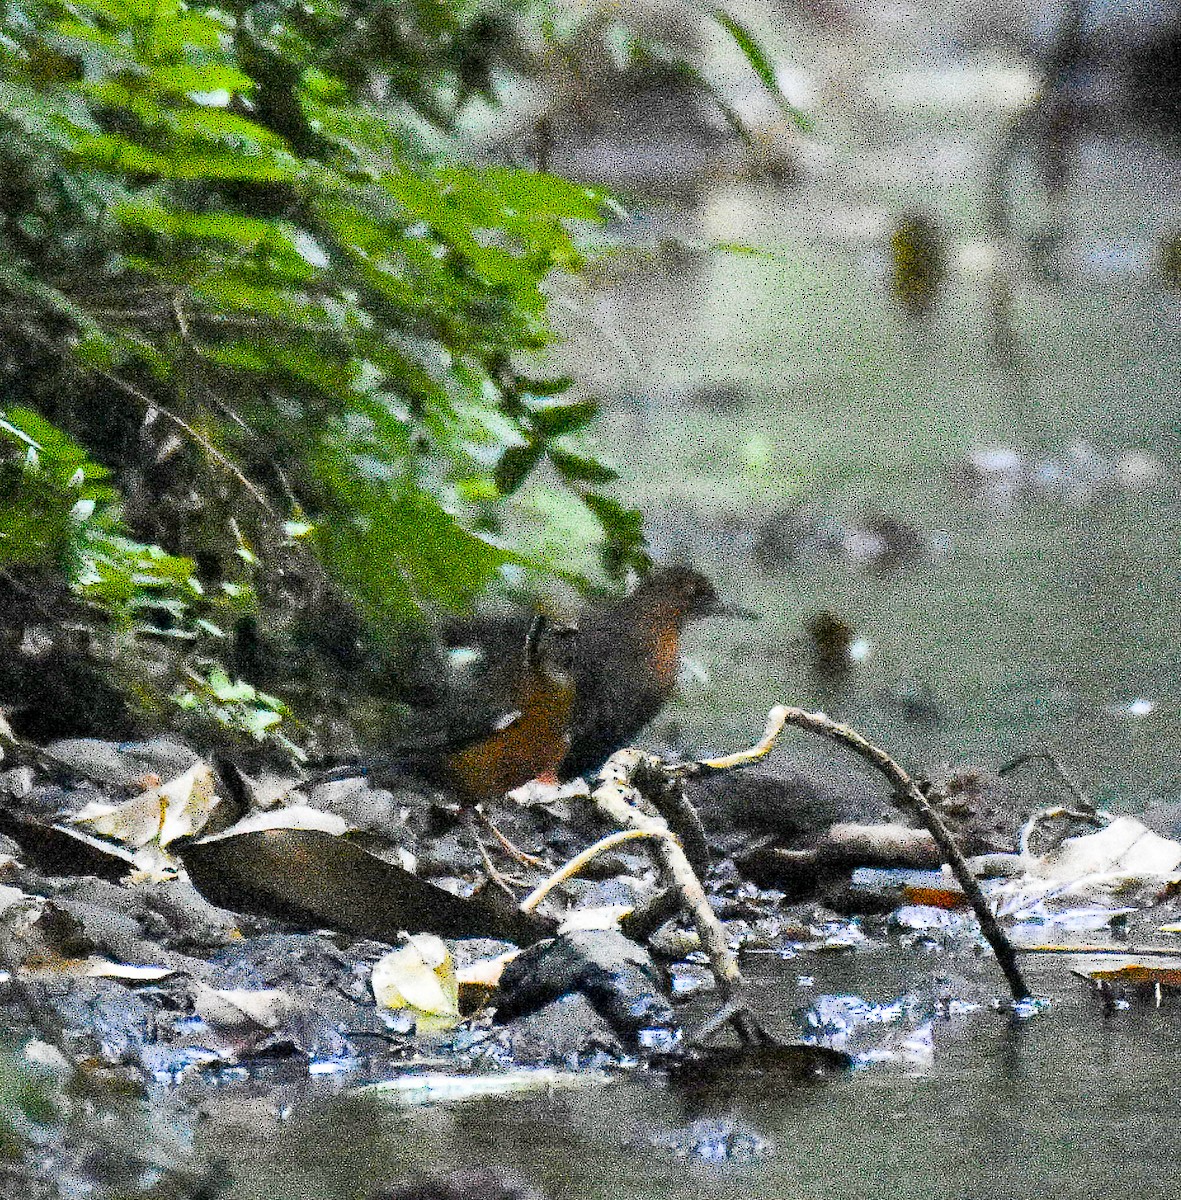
{"x":1125,"y":847}
{"x":419,"y":976}
{"x":189,"y":801}
{"x":102,"y":968}
{"x":539,"y":794}
{"x":603,"y":916}
{"x":176,"y":809}
{"x":10,"y":896}
{"x":948,"y":898}
{"x":485,"y":972}
{"x":317,"y":879}
{"x":231,"y":1009}
{"x":54,"y":966}
{"x":134,"y":822}
{"x":1125,"y":860}
{"x":477,"y":981}
{"x":1135,"y":974}
{"x":295,"y":816}
{"x":152,"y":864}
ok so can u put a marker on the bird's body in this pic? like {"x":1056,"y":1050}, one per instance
{"x":628,"y":659}
{"x":495,"y":743}
{"x":578,"y":694}
{"x":532,"y":742}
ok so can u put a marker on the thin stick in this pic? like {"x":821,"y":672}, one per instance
{"x":489,"y":865}
{"x":197,"y":437}
{"x":776,"y":720}
{"x":617,"y":798}
{"x":1055,"y":764}
{"x":511,"y":848}
{"x":1122,"y":951}
{"x":150,"y":403}
{"x":905,"y":789}
{"x":576,"y":864}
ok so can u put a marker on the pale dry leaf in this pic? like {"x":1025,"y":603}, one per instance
{"x":102,"y":968}
{"x":477,"y":981}
{"x":55,"y":966}
{"x":297,"y":816}
{"x":189,"y":801}
{"x":153,"y":864}
{"x":1125,"y":847}
{"x":134,"y":822}
{"x":604,"y":916}
{"x":420,"y":977}
{"x":178,"y":808}
{"x":485,"y":972}
{"x":10,"y":896}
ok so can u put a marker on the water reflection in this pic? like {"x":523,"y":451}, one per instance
{"x":1063,"y":1103}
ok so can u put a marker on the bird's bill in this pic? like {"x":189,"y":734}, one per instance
{"x":735,"y":610}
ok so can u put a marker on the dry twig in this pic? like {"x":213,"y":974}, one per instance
{"x":618,"y":798}
{"x":1055,"y":765}
{"x":570,"y":869}
{"x":906,"y":792}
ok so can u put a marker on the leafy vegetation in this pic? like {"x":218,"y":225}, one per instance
{"x":265,"y":333}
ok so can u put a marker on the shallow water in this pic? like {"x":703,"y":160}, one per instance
{"x":1040,"y":621}
{"x":1065,"y":1103}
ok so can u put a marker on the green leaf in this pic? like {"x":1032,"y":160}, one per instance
{"x":515,"y":465}
{"x":544,"y":387}
{"x":553,"y":420}
{"x":625,"y":546}
{"x":581,"y":468}
{"x":759,"y":63}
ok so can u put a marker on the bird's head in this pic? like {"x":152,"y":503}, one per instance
{"x":686,"y":595}
{"x":550,"y":648}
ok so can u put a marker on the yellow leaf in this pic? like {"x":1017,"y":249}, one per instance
{"x":419,"y":977}
{"x":175,"y":809}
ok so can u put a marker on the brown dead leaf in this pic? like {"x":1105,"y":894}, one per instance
{"x":948,"y":898}
{"x":1136,"y":974}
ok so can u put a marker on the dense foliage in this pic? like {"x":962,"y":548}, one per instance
{"x":263,"y":337}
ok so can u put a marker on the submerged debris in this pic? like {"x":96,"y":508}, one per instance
{"x":454,"y":977}
{"x":715,"y":1140}
{"x":477,"y":1184}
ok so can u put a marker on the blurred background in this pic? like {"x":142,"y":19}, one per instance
{"x":930,"y":427}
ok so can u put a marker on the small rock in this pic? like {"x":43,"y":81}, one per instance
{"x":123,"y":764}
{"x":17,"y":782}
{"x":114,"y":1018}
{"x":715,"y":1140}
{"x":159,"y":756}
{"x":616,"y":975}
{"x":794,"y":806}
{"x":567,"y":1032}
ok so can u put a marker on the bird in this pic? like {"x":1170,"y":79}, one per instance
{"x":479,"y":755}
{"x":581,"y":690}
{"x":626,"y":661}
